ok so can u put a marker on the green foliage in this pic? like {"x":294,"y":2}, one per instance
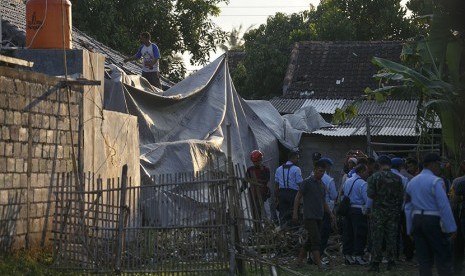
{"x":267,"y":55}
{"x":435,"y":67}
{"x":268,"y":47}
{"x":362,"y":20}
{"x":342,"y":115}
{"x":235,"y":39}
{"x":176,"y":26}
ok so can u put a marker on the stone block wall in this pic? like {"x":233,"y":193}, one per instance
{"x":35,"y":143}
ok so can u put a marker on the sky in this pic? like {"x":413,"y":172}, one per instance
{"x":252,"y":13}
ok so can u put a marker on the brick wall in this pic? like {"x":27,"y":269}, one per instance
{"x":34,"y":145}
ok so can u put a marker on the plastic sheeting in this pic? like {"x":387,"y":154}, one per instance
{"x":180,"y":127}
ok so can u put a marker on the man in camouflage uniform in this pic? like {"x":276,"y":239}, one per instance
{"x":386,"y":190}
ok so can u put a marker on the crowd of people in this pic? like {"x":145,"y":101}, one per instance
{"x":395,"y":209}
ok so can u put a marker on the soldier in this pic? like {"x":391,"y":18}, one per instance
{"x":386,"y":190}
{"x":429,"y":218}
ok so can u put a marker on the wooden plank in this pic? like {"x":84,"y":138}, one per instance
{"x":81,"y":82}
{"x":16,"y":61}
{"x":404,"y":145}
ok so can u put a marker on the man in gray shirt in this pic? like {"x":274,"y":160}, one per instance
{"x":312,"y":190}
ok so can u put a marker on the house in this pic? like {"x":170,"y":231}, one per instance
{"x":331,"y":75}
{"x":52,"y":125}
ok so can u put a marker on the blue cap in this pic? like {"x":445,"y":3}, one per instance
{"x":327,"y":160}
{"x":384,"y":160}
{"x":397,"y":161}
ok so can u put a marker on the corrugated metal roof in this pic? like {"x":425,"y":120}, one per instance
{"x":338,"y":131}
{"x":389,"y":107}
{"x":325,"y":106}
{"x":322,"y":106}
{"x":287,"y":106}
{"x":389,"y":118}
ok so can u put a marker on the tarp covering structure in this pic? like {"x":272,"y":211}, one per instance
{"x":184,"y":125}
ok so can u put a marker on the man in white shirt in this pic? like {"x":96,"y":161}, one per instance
{"x":150,"y":54}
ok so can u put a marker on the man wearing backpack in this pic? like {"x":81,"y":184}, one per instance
{"x":355,"y":225}
{"x":150,"y":54}
{"x":387,"y":192}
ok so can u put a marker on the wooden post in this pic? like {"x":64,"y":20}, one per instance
{"x":367,"y":125}
{"x":232,"y":217}
{"x":122,"y":208}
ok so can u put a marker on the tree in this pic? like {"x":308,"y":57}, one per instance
{"x":235,"y":39}
{"x":176,"y":26}
{"x":267,"y":48}
{"x":267,"y":51}
{"x":434,"y":69}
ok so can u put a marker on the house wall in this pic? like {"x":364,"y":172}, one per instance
{"x":33,"y":149}
{"x":102,"y":130}
{"x":332,"y":147}
{"x":34,"y":144}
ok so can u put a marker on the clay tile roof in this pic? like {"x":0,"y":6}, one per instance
{"x":335,"y":70}
{"x":14,"y":25}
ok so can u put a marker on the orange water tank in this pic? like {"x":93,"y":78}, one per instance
{"x":44,"y":20}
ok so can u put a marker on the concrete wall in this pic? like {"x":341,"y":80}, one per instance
{"x":332,"y":147}
{"x":34,"y":144}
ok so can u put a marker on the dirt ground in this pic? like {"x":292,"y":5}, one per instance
{"x":337,"y":267}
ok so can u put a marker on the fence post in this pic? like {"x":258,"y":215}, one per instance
{"x":122,"y":207}
{"x":232,"y":217}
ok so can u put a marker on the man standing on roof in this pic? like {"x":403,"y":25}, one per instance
{"x":287,"y":178}
{"x":150,"y":54}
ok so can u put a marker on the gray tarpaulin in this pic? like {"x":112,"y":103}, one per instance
{"x":180,"y":127}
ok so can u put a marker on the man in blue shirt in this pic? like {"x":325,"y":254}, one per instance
{"x":150,"y":54}
{"x":429,"y":218}
{"x":355,"y":226}
{"x":287,"y":178}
